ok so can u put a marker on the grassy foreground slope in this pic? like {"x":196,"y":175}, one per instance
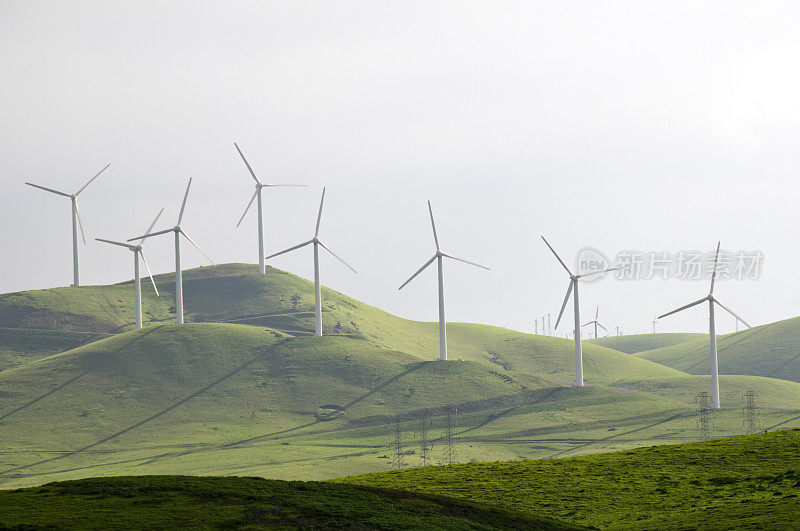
{"x":751,"y":481}
{"x":184,"y":502}
{"x":641,"y":342}
{"x":20,"y":345}
{"x":771,"y":350}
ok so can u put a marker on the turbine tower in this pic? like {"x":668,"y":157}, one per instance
{"x":712,"y":331}
{"x":257,"y":195}
{"x":573,"y":286}
{"x":76,"y":222}
{"x":178,"y":231}
{"x":317,"y":288}
{"x":655,"y":321}
{"x":439,"y":256}
{"x":137,"y":283}
{"x":596,"y":323}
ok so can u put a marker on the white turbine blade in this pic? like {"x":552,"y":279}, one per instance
{"x":558,"y":258}
{"x":183,"y":205}
{"x":149,"y":273}
{"x":112,"y":242}
{"x":289,"y":249}
{"x":337,"y":257}
{"x":247,"y":163}
{"x":714,"y":271}
{"x":248,"y":208}
{"x":587,"y":324}
{"x":273,"y":185}
{"x":418,"y":272}
{"x":80,"y":223}
{"x":731,"y":312}
{"x":695,"y":303}
{"x":598,"y":272}
{"x":48,"y":189}
{"x":465,"y":261}
{"x":197,"y":247}
{"x":603,"y":327}
{"x":597,"y":313}
{"x":433,"y":226}
{"x":150,"y":235}
{"x":153,"y":224}
{"x":566,"y":299}
{"x":319,"y":214}
{"x":92,"y":179}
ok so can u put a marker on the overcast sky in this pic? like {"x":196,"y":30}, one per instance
{"x":616,"y":125}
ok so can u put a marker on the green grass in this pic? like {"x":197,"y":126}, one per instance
{"x":747,"y":482}
{"x":771,"y":350}
{"x":642,"y":342}
{"x":184,"y":502}
{"x":20,"y":345}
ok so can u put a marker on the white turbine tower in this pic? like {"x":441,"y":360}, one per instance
{"x":317,"y":288}
{"x":257,"y":195}
{"x":178,"y":231}
{"x":439,"y":256}
{"x":596,"y":323}
{"x":137,"y":283}
{"x":712,"y":331}
{"x":76,"y":222}
{"x":573,"y":286}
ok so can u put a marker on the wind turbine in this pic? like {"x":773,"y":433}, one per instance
{"x":257,"y":194}
{"x":178,"y":231}
{"x":137,"y":283}
{"x":76,"y":222}
{"x":712,"y":331}
{"x":317,"y":288}
{"x":573,"y":286}
{"x":439,"y":256}
{"x":654,"y":324}
{"x":596,"y":322}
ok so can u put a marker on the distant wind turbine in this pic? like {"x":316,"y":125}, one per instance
{"x":712,"y":331}
{"x":596,"y":323}
{"x":76,"y":222}
{"x":178,"y":231}
{"x":317,"y":288}
{"x":655,"y":321}
{"x":439,"y":255}
{"x":573,"y":286}
{"x":257,"y":195}
{"x":137,"y":283}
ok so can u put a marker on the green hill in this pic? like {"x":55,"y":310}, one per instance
{"x":744,"y":482}
{"x":20,"y":345}
{"x":642,"y":342}
{"x":771,"y":350}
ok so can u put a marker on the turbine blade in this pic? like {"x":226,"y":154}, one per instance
{"x":289,"y":249}
{"x":558,"y":258}
{"x":337,"y":256}
{"x":603,"y":327}
{"x":714,"y":271}
{"x":418,"y":272}
{"x":153,"y":224}
{"x":566,"y":299}
{"x":433,"y":226}
{"x":587,"y":324}
{"x":151,"y":234}
{"x":112,"y":242}
{"x":197,"y":246}
{"x":597,"y":313}
{"x":48,"y":189}
{"x":273,"y":185}
{"x":80,"y":223}
{"x":598,"y":272}
{"x":319,"y":214}
{"x":247,"y":164}
{"x":731,"y":312}
{"x":695,"y":303}
{"x":465,"y":261}
{"x":248,"y":207}
{"x":92,"y":179}
{"x":149,"y":273}
{"x":183,"y":205}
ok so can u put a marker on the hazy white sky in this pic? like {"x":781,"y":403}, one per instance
{"x":618,"y":125}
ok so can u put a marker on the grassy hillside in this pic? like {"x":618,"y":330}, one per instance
{"x":747,"y":482}
{"x":771,"y":350}
{"x":641,"y":342}
{"x":183,"y":502}
{"x":20,"y":345}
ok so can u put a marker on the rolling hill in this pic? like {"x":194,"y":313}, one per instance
{"x":641,"y":342}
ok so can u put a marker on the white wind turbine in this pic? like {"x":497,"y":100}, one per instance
{"x":596,"y":323}
{"x":76,"y":222}
{"x":439,"y":256}
{"x":257,"y":195}
{"x":573,"y":286}
{"x":712,"y":331}
{"x":178,"y":231}
{"x":137,"y":283}
{"x":317,"y":288}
